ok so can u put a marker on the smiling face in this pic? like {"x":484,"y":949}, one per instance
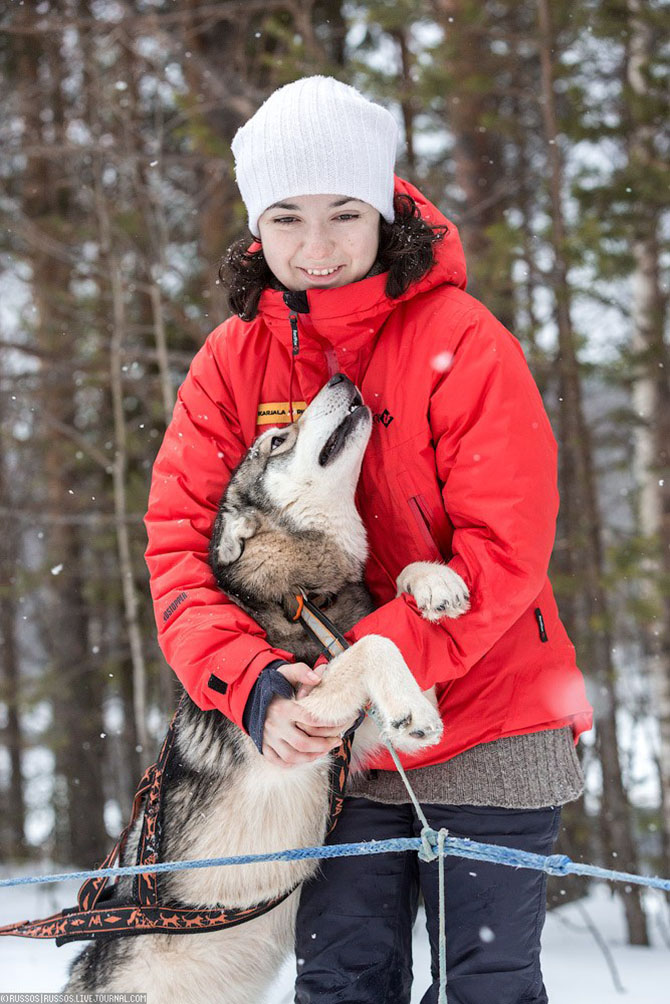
{"x":319,"y":241}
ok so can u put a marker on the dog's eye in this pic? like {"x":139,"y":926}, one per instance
{"x":276,"y":441}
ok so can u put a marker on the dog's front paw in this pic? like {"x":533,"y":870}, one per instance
{"x":409,"y":722}
{"x":438,"y":590}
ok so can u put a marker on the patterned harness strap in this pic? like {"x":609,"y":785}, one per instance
{"x":98,"y":914}
{"x":150,"y":786}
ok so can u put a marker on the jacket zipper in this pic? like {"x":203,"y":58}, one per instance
{"x":421,"y":518}
{"x":295,"y":338}
{"x":295,"y":349}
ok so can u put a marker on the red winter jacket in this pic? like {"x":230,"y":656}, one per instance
{"x":461,"y":467}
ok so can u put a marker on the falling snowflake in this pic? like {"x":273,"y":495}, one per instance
{"x":442,"y":361}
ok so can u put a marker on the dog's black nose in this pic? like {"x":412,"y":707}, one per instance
{"x":334,"y":380}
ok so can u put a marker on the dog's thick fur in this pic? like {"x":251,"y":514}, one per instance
{"x":287,"y":522}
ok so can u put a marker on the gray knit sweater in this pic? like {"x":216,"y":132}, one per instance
{"x":518,"y":772}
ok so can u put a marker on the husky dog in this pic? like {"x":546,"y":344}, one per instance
{"x":287,"y":523}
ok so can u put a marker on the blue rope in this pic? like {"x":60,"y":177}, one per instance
{"x":553,"y":864}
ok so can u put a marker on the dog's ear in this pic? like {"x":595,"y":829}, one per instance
{"x":230,"y":532}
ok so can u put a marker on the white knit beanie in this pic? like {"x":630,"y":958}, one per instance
{"x":316,"y":136}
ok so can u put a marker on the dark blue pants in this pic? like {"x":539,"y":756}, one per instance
{"x":354,"y":930}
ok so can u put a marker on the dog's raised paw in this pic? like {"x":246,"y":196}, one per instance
{"x":437,"y":589}
{"x":419,"y":726}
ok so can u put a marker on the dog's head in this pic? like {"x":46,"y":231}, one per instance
{"x":304,"y":474}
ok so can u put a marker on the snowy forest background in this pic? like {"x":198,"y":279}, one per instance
{"x":540,"y":128}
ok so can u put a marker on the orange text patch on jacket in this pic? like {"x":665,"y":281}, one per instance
{"x":461,"y":467}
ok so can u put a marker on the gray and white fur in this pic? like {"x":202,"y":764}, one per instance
{"x":287,"y":522}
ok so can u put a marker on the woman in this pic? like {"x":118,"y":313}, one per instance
{"x":352,"y":270}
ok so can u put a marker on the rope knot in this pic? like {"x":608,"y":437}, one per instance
{"x":428,"y":844}
{"x":558,"y":864}
{"x":432,"y":843}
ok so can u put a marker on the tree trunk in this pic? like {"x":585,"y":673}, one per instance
{"x":232,"y":100}
{"x":120,"y":462}
{"x":407,"y":101}
{"x":77,"y":686}
{"x":651,"y":401}
{"x":579,"y":492}
{"x":12,"y":832}
{"x":117,"y":328}
{"x":478,"y":153}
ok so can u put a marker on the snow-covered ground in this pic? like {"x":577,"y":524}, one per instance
{"x":575,"y":969}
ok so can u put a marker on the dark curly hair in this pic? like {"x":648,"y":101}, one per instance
{"x":405,"y":252}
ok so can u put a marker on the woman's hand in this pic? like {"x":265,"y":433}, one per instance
{"x":291,"y":735}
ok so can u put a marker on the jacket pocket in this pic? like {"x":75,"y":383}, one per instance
{"x":419,"y":510}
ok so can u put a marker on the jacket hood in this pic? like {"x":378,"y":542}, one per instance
{"x":351,"y":314}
